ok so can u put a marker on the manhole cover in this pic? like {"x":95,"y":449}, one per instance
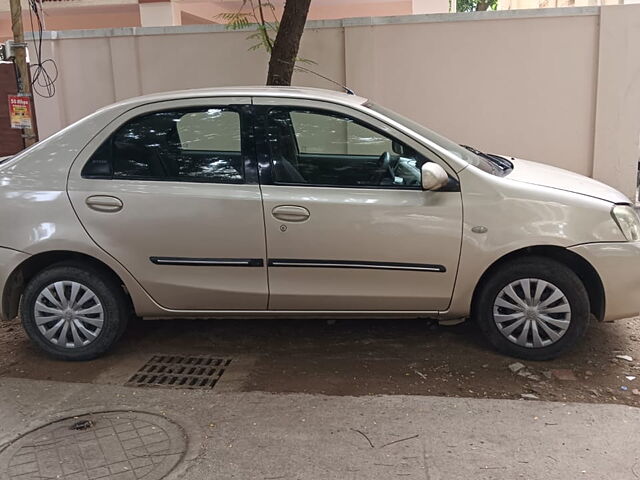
{"x":177,"y":371}
{"x":108,"y":445}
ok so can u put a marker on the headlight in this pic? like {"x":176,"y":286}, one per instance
{"x":628,"y":221}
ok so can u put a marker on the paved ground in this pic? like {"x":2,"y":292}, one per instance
{"x":356,"y":358}
{"x":351,"y":400}
{"x":255,"y":435}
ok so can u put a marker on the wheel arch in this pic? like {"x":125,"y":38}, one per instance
{"x":578,"y":264}
{"x":20,"y":276}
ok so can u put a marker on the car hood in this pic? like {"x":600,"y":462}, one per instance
{"x":545,"y":175}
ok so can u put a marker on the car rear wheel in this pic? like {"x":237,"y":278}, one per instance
{"x":533,"y":308}
{"x":74,"y":312}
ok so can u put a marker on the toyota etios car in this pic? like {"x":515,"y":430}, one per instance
{"x":242,"y":202}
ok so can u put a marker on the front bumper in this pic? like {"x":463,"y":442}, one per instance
{"x":618,"y":264}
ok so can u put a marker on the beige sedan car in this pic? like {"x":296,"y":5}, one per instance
{"x":256,"y":202}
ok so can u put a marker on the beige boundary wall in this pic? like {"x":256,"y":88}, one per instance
{"x":560,"y":86}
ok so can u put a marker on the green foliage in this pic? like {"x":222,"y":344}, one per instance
{"x":476,"y":5}
{"x":256,"y":16}
{"x":260,"y":14}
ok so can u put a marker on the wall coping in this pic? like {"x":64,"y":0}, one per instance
{"x":317,"y":24}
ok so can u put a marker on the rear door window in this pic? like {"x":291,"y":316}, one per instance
{"x":191,"y":145}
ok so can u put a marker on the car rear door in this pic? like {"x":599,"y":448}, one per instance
{"x":170,"y":190}
{"x":343,"y":232}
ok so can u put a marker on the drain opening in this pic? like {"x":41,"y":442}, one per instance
{"x":177,"y":371}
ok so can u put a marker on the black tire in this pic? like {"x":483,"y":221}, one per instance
{"x":110,"y":293}
{"x":537,"y":268}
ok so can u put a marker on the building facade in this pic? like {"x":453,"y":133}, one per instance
{"x":520,"y":4}
{"x":95,"y":14}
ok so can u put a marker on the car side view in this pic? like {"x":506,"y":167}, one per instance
{"x":272,"y":202}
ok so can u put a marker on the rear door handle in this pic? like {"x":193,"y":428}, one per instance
{"x":104,"y":203}
{"x":290,"y":213}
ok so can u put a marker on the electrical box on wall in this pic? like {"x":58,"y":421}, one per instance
{"x":6,"y":51}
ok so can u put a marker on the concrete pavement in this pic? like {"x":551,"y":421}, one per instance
{"x":257,"y":435}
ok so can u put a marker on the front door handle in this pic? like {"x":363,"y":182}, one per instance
{"x":104,"y":203}
{"x":290,"y":213}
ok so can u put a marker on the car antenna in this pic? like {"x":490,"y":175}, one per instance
{"x":308,"y":70}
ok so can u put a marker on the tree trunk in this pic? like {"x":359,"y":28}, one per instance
{"x":287,"y":43}
{"x":482,"y":6}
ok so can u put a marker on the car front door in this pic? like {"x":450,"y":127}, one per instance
{"x":348,"y":226}
{"x":170,"y":191}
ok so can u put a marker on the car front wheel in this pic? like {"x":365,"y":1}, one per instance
{"x":74,"y":312}
{"x":533,"y":308}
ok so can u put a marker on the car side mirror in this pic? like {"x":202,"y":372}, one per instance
{"x":434,"y":177}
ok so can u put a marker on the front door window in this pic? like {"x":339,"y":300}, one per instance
{"x":312,"y":147}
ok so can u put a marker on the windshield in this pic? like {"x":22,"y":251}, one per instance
{"x":458,"y":150}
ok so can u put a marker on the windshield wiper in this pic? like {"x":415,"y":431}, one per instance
{"x":501,"y":162}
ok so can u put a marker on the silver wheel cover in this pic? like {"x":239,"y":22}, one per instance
{"x":68,"y":314}
{"x":532,"y":313}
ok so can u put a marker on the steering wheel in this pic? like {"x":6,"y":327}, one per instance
{"x":387,"y":165}
{"x":384,"y":162}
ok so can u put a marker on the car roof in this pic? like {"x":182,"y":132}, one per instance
{"x":307,"y":93}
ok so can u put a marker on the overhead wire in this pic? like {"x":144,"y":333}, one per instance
{"x":44,"y":73}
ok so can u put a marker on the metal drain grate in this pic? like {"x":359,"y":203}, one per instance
{"x":177,"y":371}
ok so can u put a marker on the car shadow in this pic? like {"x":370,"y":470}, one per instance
{"x":350,"y":357}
